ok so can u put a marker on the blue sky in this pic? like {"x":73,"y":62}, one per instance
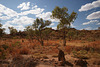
{"x":20,"y":13}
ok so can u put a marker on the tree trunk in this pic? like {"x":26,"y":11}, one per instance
{"x":42,"y":43}
{"x":41,"y":38}
{"x":64,"y":42}
{"x":64,"y":38}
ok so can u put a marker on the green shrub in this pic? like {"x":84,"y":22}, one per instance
{"x":5,"y":46}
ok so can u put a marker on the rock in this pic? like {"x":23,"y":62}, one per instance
{"x":81,"y":63}
{"x":61,"y":58}
{"x":69,"y":64}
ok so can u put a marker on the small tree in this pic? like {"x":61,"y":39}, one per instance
{"x":12,"y":30}
{"x":38,"y":26}
{"x":30,"y":32}
{"x":65,"y":19}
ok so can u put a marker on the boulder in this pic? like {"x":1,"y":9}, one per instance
{"x":80,"y":62}
{"x":61,"y":58}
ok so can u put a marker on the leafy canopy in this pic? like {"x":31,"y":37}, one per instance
{"x":39,"y":24}
{"x":65,"y":18}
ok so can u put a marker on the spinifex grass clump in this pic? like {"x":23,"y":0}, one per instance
{"x":4,"y":46}
{"x":2,"y":52}
{"x":82,"y":54}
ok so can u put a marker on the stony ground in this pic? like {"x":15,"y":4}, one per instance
{"x":30,"y":61}
{"x":28,"y":55}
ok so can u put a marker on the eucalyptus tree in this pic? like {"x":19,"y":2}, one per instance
{"x":39,"y":25}
{"x":64,"y":18}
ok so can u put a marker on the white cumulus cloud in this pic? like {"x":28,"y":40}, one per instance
{"x":33,"y":11}
{"x":54,"y":28}
{"x":0,"y":14}
{"x":46,"y":16}
{"x":23,"y":20}
{"x":33,"y":7}
{"x":52,"y":24}
{"x":72,"y":25}
{"x":94,"y":15}
{"x":24,"y":6}
{"x":91,"y":21}
{"x":18,"y":27}
{"x":98,"y":24}
{"x":90,"y":6}
{"x":20,"y":20}
{"x":9,"y":13}
{"x":18,"y":23}
{"x":5,"y":17}
{"x":88,"y":28}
